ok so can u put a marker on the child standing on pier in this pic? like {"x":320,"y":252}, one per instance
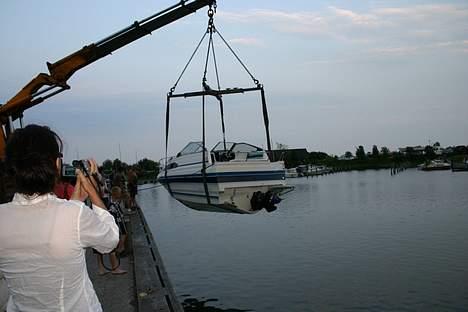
{"x":115,"y":210}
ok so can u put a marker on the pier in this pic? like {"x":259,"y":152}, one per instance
{"x":146,"y":286}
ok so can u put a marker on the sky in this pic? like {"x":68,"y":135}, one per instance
{"x":337,"y":74}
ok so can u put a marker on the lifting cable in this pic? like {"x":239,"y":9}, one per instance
{"x":221,"y":105}
{"x":206,"y":87}
{"x":218,"y":94}
{"x":168,"y":107}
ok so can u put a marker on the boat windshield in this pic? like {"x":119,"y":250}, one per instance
{"x":220,"y":146}
{"x":192,"y":147}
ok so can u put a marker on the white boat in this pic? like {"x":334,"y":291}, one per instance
{"x":239,"y":178}
{"x":318,"y":170}
{"x":291,"y":173}
{"x":436,"y":164}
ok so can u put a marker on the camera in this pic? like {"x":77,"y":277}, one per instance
{"x":68,"y":171}
{"x":83,"y":165}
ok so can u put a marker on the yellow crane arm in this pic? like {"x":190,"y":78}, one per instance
{"x":45,"y":85}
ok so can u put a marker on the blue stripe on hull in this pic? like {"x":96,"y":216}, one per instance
{"x":223,"y":177}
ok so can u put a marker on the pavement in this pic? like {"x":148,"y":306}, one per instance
{"x":115,"y":292}
{"x":146,"y":287}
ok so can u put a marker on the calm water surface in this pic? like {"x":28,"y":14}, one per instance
{"x":355,"y":241}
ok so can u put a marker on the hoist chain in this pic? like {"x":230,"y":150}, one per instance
{"x":210,"y":30}
{"x":211,"y":13}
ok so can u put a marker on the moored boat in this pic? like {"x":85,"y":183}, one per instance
{"x":460,"y":166}
{"x":435,"y":164}
{"x":291,"y":173}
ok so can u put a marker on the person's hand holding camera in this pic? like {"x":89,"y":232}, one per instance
{"x":86,"y":185}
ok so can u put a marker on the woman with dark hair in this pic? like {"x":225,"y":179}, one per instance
{"x":42,"y":237}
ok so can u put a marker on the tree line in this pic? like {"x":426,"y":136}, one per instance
{"x":146,"y":169}
{"x":375,"y":159}
{"x":382,"y":158}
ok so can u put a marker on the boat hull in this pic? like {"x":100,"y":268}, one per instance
{"x":229,"y":186}
{"x":435,"y":168}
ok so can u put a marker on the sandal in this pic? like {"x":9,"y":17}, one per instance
{"x":119,"y":272}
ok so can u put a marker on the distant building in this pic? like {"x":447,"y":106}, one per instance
{"x":461,"y":150}
{"x":438,"y":150}
{"x":297,"y":153}
{"x":449,"y":150}
{"x":421,"y":150}
{"x":415,"y":150}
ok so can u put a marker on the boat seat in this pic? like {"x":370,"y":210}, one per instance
{"x":257,"y":154}
{"x":221,"y":156}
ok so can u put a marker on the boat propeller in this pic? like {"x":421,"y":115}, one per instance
{"x":266,"y":200}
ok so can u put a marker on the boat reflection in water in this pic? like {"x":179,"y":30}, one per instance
{"x":233,"y":177}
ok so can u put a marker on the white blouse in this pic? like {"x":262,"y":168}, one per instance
{"x":42,"y":255}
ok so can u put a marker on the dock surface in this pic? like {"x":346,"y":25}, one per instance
{"x":146,"y":286}
{"x":115,"y":292}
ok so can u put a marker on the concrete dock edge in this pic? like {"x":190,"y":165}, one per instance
{"x":154,"y":291}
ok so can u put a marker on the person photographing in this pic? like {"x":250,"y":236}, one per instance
{"x":43,"y":238}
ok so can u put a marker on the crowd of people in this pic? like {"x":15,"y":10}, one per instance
{"x":118,"y":191}
{"x":51,"y":220}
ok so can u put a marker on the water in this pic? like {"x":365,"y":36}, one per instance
{"x":355,"y":241}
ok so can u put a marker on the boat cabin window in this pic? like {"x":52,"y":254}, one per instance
{"x":218,"y":153}
{"x":192,"y":147}
{"x":245,"y":148}
{"x":220,"y":146}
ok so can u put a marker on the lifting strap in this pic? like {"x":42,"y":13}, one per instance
{"x":218,"y":94}
{"x":220,"y":98}
{"x":267,"y":123}
{"x":167,"y":142}
{"x":204,"y":160}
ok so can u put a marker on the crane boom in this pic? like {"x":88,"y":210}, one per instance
{"x":59,"y":72}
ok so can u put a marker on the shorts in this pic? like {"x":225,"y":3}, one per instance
{"x":133,"y":190}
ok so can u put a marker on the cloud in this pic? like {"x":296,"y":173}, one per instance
{"x":446,"y":44}
{"x":465,"y":46}
{"x":325,"y":62}
{"x":421,"y":33}
{"x":424,"y":11}
{"x":355,"y":18}
{"x":401,"y":30}
{"x":397,"y":51}
{"x":409,"y":50}
{"x":290,"y":22}
{"x":247,"y":41}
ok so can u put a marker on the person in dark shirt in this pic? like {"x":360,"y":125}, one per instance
{"x":132,"y":185}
